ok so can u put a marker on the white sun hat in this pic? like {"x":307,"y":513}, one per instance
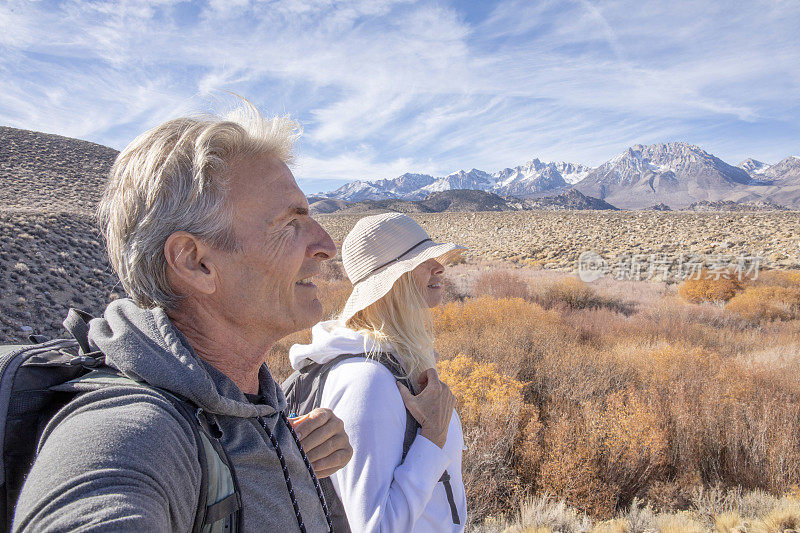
{"x":381,"y":248}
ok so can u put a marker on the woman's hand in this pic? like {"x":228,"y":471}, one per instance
{"x":432,"y":406}
{"x":324,"y":440}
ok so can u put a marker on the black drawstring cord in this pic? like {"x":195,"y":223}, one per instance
{"x":288,"y":479}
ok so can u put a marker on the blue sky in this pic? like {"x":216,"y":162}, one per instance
{"x":383,"y":87}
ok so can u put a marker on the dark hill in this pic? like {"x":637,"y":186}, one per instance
{"x":52,"y":256}
{"x":465,"y":200}
{"x":573,"y":199}
{"x":51,"y":173}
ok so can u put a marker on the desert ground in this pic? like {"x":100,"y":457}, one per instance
{"x":555,"y":239}
{"x":52,"y":259}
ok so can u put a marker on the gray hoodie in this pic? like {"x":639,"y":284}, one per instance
{"x":126,"y":460}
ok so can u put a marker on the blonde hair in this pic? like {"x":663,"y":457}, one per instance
{"x":172,"y":178}
{"x":403,"y":320}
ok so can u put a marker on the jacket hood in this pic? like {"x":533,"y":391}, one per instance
{"x":144,"y":345}
{"x":328,"y":340}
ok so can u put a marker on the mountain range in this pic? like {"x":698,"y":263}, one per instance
{"x":674,"y":174}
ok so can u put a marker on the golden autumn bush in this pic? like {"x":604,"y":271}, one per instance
{"x":648,"y":406}
{"x":709,"y":286}
{"x":489,"y":404}
{"x":767,"y":302}
{"x":777,"y":278}
{"x":483,"y":393}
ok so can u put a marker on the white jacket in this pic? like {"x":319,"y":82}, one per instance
{"x":379,"y":493}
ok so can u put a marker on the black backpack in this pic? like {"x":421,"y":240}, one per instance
{"x":37,"y":380}
{"x":303,"y":391}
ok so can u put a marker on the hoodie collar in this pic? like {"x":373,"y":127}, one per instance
{"x":144,"y":345}
{"x":330,"y":339}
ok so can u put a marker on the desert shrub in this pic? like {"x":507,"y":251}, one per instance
{"x":451,"y":292}
{"x":571,"y":467}
{"x":603,"y":454}
{"x":777,"y":278}
{"x":489,"y":404}
{"x":770,"y":302}
{"x":785,"y":517}
{"x":572,"y":293}
{"x":483,"y":393}
{"x":634,"y":443}
{"x":500,"y":284}
{"x":333,"y":294}
{"x":511,"y":333}
{"x":543,"y":513}
{"x":710,"y":287}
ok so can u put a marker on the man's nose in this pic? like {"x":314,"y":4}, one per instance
{"x":323,"y":247}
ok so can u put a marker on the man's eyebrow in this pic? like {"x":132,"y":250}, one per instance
{"x":298,"y":210}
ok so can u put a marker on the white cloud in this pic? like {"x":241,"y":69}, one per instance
{"x":355,"y":165}
{"x":389,"y":86}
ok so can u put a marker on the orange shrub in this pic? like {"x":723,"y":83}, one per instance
{"x":573,"y":293}
{"x":766,"y":303}
{"x":489,"y":404}
{"x":500,"y":284}
{"x":571,"y":466}
{"x":710,"y":287}
{"x":510,"y":333}
{"x":601,"y":455}
{"x":634,"y":443}
{"x":482,"y":392}
{"x":777,"y":278}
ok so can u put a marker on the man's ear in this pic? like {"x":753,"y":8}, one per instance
{"x":190,"y":264}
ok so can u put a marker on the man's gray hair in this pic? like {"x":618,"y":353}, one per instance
{"x":172,"y":178}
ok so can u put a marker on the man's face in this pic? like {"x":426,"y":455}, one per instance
{"x":264,"y":288}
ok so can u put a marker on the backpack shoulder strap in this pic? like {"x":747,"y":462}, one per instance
{"x":397,"y":370}
{"x":303,"y":389}
{"x":389,"y":361}
{"x":219,"y":504}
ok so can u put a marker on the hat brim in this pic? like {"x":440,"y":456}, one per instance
{"x":375,"y":286}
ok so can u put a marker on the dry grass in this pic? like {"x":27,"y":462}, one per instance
{"x":546,"y":513}
{"x":555,"y":240}
{"x":605,"y":410}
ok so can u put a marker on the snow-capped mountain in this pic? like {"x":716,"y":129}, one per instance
{"x":401,"y":187}
{"x":530,"y":179}
{"x":782,"y":184}
{"x":784,"y":171}
{"x":536,"y":177}
{"x":676,"y":174}
{"x":751,"y":166}
{"x":473,"y":180}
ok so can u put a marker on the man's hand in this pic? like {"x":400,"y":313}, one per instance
{"x":432,"y":407}
{"x":322,"y":436}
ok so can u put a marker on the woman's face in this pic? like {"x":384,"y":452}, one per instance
{"x":428,"y":277}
